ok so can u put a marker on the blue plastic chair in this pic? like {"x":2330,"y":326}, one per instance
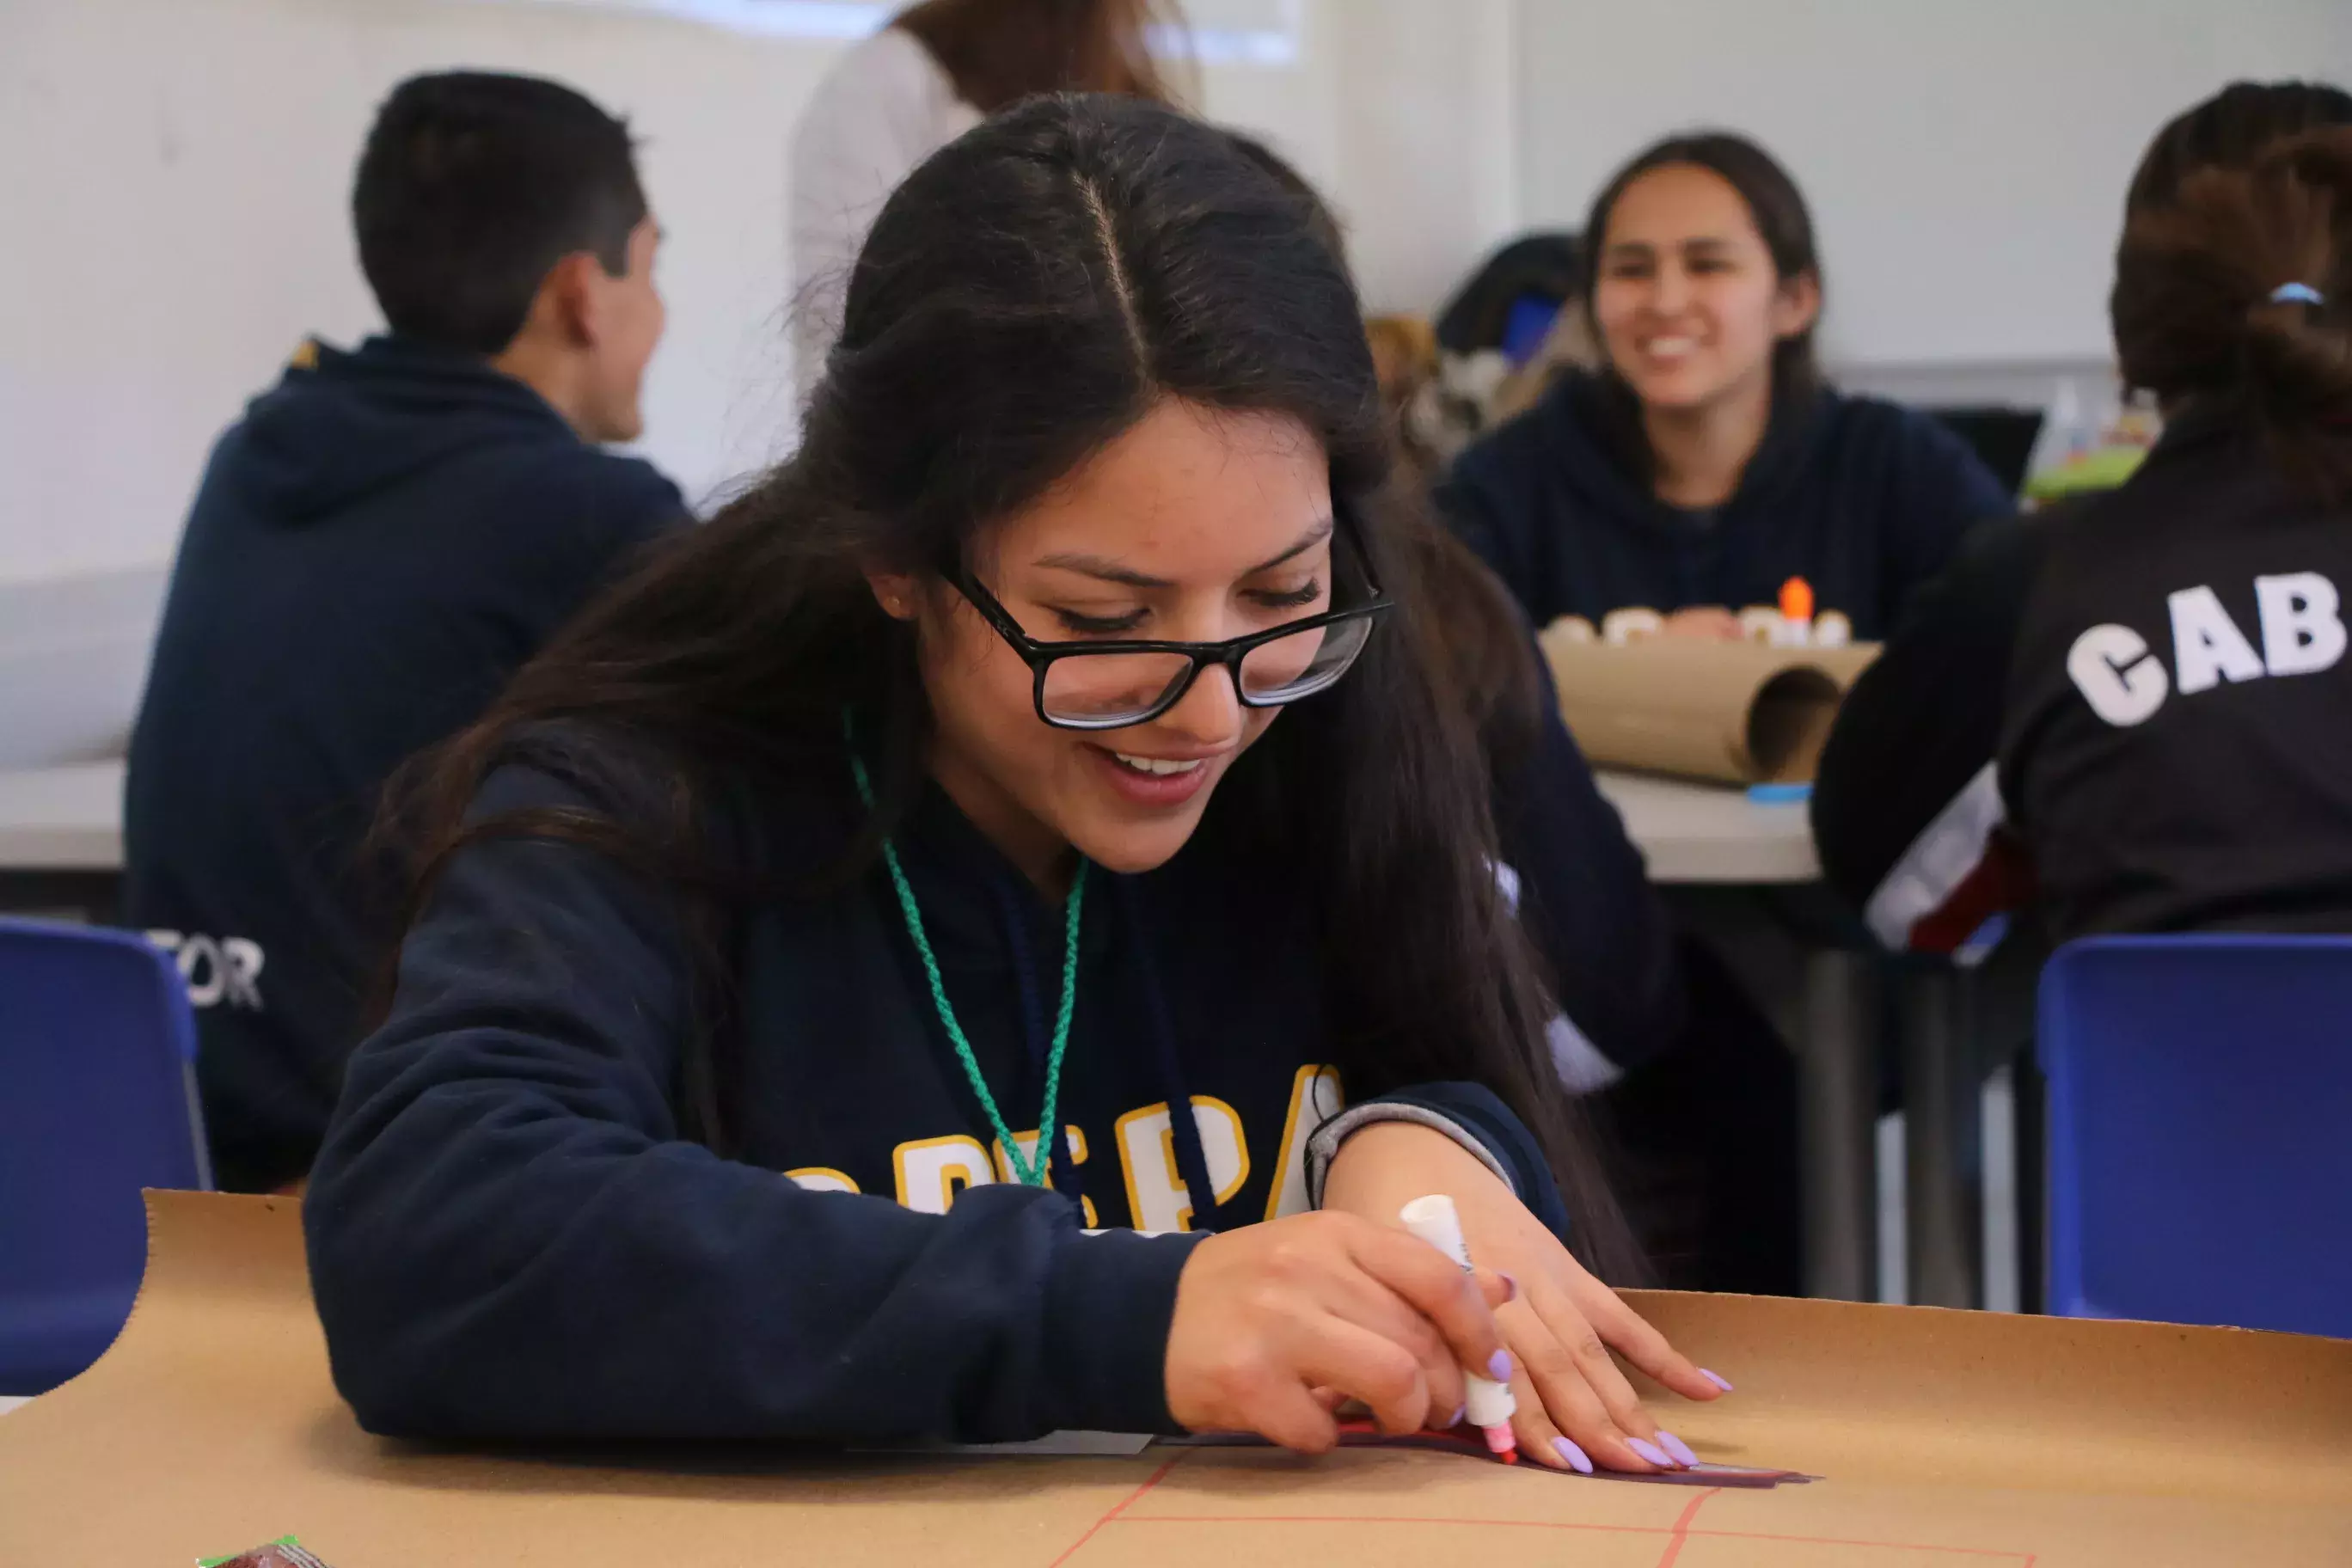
{"x":97,"y":1053}
{"x":2201,"y":1130}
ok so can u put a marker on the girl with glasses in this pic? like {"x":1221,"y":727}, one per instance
{"x":985,"y":936}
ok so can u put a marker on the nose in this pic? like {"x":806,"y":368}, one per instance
{"x":1210,"y":715}
{"x":1670,"y":290}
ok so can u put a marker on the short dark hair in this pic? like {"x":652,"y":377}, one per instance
{"x":472,"y":186}
{"x":1775,"y":203}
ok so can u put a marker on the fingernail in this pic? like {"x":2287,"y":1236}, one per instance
{"x":1677,"y":1446}
{"x":1578,"y":1460}
{"x":1716,"y":1378}
{"x":1510,"y":1287}
{"x":1460,"y":1412}
{"x":1500,"y":1368}
{"x":1651,"y":1452}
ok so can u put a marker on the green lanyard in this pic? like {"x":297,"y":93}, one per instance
{"x":1030,"y":1172}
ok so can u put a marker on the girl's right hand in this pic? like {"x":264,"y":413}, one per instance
{"x":1274,"y":1321}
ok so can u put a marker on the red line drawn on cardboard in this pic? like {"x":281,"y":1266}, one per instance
{"x":1129,"y":1500}
{"x":1685,"y":1527}
{"x":2021,"y":1559}
{"x":1682,"y":1527}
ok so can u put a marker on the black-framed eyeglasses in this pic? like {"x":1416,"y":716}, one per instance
{"x":1108,"y":685}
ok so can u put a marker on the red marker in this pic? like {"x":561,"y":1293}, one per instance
{"x":1491,"y":1405}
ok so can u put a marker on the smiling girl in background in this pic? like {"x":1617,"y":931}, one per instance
{"x":1707,"y":464}
{"x":1053,"y":743}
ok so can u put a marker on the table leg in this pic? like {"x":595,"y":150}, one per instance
{"x":1838,"y":1072}
{"x":1942,"y":1142}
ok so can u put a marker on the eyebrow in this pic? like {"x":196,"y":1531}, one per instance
{"x":1108,"y":570}
{"x":1643,"y":248}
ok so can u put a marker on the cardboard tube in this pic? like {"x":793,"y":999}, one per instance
{"x":1735,"y":712}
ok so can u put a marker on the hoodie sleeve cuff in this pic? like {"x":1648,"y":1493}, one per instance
{"x":1474,"y":1116}
{"x":1324,"y":1146}
{"x":1107,"y":1309}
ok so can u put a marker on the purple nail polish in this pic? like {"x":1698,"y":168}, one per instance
{"x":1677,"y":1446}
{"x":1716,"y":1378}
{"x":1460,"y":1413}
{"x":1510,"y":1287}
{"x":1651,"y":1452}
{"x":1578,"y":1460}
{"x":1499,"y":1368}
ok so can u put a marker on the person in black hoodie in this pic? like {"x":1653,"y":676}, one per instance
{"x":2126,"y":713}
{"x":1707,"y":465}
{"x":986,"y":936}
{"x":375,"y":547}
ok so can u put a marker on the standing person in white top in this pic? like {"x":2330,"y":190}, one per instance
{"x":930,"y":76}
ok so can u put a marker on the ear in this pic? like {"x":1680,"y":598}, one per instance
{"x":571,"y":301}
{"x":1797,"y":305}
{"x":899,"y":593}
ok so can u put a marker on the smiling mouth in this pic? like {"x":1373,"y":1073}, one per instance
{"x":1157,"y":767}
{"x":1670,"y":348}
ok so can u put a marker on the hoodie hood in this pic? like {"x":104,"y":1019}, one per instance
{"x":340,"y":425}
{"x":1596,"y":433}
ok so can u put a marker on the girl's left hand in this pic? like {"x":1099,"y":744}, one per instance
{"x":1576,"y":1409}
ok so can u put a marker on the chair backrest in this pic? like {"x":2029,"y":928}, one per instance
{"x":2201,"y":1130}
{"x":97,"y":1100}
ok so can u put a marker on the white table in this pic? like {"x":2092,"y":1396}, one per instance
{"x":62,"y":819}
{"x":70,"y":819}
{"x":1712,"y":834}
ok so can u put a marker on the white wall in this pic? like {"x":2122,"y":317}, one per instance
{"x":175,"y":176}
{"x":1965,"y":159}
{"x":1427,"y":177}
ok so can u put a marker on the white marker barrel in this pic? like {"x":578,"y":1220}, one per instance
{"x":1435,"y":1221}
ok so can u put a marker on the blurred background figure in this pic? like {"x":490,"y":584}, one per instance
{"x":914,"y":87}
{"x":1708,"y":461}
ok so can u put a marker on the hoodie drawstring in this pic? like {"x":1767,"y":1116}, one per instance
{"x":1192,"y":1161}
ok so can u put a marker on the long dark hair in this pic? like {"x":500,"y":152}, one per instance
{"x":1027,"y":295}
{"x":1475,"y":626}
{"x":998,"y":52}
{"x":1782,"y":219}
{"x":2199,"y":314}
{"x":2230,"y":130}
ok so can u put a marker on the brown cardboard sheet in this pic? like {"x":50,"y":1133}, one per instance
{"x":1939,"y":1439}
{"x":1736,"y":712}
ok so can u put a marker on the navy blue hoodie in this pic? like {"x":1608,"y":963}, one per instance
{"x":376,"y":546}
{"x":512,"y":1234}
{"x":1864,"y":499}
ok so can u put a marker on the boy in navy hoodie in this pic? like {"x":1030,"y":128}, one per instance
{"x":375,"y":548}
